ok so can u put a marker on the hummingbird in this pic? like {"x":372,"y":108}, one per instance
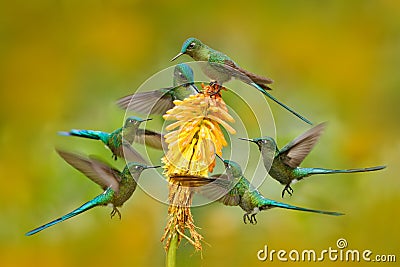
{"x":285,"y":163}
{"x":118,"y":186}
{"x":120,"y":140}
{"x":222,"y":69}
{"x":161,"y":100}
{"x":236,"y":190}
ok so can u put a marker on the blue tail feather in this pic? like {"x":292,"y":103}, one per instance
{"x":97,"y":135}
{"x":331,"y":171}
{"x":97,"y":201}
{"x":272,"y":203}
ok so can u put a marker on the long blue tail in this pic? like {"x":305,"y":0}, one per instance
{"x":268,"y":203}
{"x":97,"y":135}
{"x":330,"y":171}
{"x":97,"y":201}
{"x":280,"y":103}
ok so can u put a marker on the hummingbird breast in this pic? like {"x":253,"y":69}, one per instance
{"x":124,"y":193}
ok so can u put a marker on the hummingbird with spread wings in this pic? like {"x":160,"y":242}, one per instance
{"x":233,"y":189}
{"x":118,"y":185}
{"x":285,"y":167}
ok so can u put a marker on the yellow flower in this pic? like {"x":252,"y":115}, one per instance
{"x":194,"y":139}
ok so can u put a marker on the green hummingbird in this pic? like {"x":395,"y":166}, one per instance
{"x":161,"y":100}
{"x":118,"y":186}
{"x":221,"y":69}
{"x":285,"y":163}
{"x":236,"y":190}
{"x":120,"y":140}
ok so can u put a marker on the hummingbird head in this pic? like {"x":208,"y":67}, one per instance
{"x":183,"y":74}
{"x":263,"y":142}
{"x":132,"y":120}
{"x":232,"y":168}
{"x":190,"y":47}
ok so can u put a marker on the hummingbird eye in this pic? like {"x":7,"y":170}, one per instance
{"x":192,"y":45}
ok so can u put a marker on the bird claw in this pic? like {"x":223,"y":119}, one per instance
{"x":115,"y":211}
{"x":114,"y":157}
{"x":245,"y":218}
{"x":251,"y":218}
{"x":287,"y":189}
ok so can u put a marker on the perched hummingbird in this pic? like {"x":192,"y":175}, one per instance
{"x":285,"y":164}
{"x":221,"y":68}
{"x":120,"y":140}
{"x":237,"y":191}
{"x":118,"y":186}
{"x":161,"y":100}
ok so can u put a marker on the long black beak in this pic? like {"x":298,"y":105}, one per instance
{"x":194,"y":87}
{"x":219,"y":157}
{"x":148,"y":119}
{"x":178,"y":55}
{"x":153,"y":167}
{"x":246,"y":139}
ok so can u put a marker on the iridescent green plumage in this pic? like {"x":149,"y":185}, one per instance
{"x":233,"y":189}
{"x":120,"y":140}
{"x":283,"y":165}
{"x":118,"y":186}
{"x":161,"y":100}
{"x":222,"y":68}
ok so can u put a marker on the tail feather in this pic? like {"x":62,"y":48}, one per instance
{"x":280,"y":103}
{"x":97,"y":201}
{"x":331,"y":171}
{"x":271,"y":203}
{"x":97,"y":135}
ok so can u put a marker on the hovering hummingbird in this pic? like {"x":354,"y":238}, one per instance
{"x":221,"y":69}
{"x":161,"y":100}
{"x":118,"y":186}
{"x":120,"y":140}
{"x":285,"y":164}
{"x":236,"y":190}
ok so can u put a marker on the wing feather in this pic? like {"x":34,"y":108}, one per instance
{"x":295,"y":152}
{"x":97,"y":171}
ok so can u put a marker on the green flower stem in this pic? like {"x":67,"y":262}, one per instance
{"x":171,"y":253}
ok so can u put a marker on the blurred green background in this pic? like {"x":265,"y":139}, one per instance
{"x":64,"y":63}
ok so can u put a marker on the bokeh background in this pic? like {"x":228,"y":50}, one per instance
{"x":64,"y":63}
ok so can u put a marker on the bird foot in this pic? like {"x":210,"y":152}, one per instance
{"x":287,"y":189}
{"x":251,"y":218}
{"x":115,"y":211}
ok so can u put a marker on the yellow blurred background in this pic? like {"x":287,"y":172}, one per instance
{"x":64,"y":63}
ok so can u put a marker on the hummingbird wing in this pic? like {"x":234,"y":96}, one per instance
{"x":225,"y":186}
{"x":190,"y":180}
{"x":97,"y":171}
{"x":150,"y":138}
{"x":151,"y":102}
{"x":217,"y":187}
{"x":131,"y":155}
{"x":294,"y":153}
{"x":260,"y":80}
